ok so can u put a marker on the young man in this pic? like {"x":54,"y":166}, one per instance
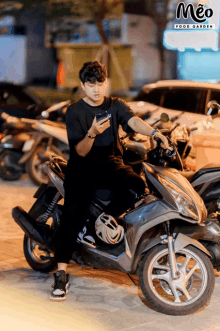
{"x":95,"y":159}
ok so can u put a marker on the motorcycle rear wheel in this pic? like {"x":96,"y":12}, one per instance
{"x":32,"y":254}
{"x":33,"y":251}
{"x":185,"y":295}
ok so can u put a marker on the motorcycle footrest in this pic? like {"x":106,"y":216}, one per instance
{"x":44,"y":258}
{"x":35,"y":230}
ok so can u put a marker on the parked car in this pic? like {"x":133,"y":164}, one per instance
{"x":184,"y":101}
{"x":19,"y":100}
{"x":22,"y":102}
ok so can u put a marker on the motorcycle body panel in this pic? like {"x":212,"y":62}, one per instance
{"x":128,"y":258}
{"x":145,"y":225}
{"x":208,"y":185}
{"x":13,"y":142}
{"x":144,"y":229}
{"x":152,"y":172}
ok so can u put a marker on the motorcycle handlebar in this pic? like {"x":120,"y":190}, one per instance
{"x":157,"y":139}
{"x":166,"y":150}
{"x":175,"y":126}
{"x":12,"y":122}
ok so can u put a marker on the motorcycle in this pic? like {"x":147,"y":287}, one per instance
{"x":17,"y":137}
{"x":205,"y":181}
{"x":163,"y":237}
{"x":18,"y":144}
{"x":50,"y":139}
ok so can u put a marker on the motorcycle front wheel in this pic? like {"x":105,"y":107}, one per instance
{"x":35,"y":165}
{"x":9,"y":168}
{"x":185,"y":295}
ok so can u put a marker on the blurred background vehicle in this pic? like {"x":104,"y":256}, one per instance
{"x":23,"y":102}
{"x":50,"y":140}
{"x":184,"y":101}
{"x":26,"y":145}
{"x":20,"y":101}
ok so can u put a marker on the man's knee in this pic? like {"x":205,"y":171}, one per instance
{"x":135,"y":182}
{"x":139,"y":185}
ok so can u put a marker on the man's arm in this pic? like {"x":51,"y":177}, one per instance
{"x":126,"y":117}
{"x":138,"y":125}
{"x":85,"y":145}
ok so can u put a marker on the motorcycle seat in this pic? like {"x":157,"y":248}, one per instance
{"x":103,"y":194}
{"x":210,"y":167}
{"x":187,"y":174}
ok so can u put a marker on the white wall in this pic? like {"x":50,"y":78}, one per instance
{"x":13,"y":58}
{"x":139,"y":31}
{"x":40,"y":63}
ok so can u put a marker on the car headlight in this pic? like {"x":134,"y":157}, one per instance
{"x":184,"y":203}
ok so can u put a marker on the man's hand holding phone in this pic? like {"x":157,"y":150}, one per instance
{"x":99,"y":126}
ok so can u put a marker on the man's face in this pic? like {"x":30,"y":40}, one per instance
{"x":94,"y":91}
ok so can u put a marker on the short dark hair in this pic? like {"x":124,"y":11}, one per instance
{"x":92,"y":72}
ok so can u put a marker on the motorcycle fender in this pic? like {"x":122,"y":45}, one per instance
{"x":182,"y":241}
{"x":153,"y":243}
{"x":27,"y":155}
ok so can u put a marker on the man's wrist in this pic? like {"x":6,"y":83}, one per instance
{"x":153,"y":132}
{"x":90,"y":134}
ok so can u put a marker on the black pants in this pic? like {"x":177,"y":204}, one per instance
{"x":79,"y":189}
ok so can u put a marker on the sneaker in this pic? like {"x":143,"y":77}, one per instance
{"x":60,"y":286}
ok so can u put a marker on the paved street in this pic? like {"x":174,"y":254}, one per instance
{"x":98,"y":300}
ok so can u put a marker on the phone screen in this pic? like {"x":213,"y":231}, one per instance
{"x":101,"y":116}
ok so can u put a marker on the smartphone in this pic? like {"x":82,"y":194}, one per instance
{"x":101,"y":116}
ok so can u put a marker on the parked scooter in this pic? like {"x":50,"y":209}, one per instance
{"x":50,"y":139}
{"x":164,"y":237}
{"x":19,"y":137}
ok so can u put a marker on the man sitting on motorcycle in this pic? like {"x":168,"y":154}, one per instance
{"x":95,"y":161}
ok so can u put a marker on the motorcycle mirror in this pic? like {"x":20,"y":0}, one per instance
{"x":213,"y":108}
{"x":212,"y":103}
{"x":164,"y":117}
{"x":45,"y":114}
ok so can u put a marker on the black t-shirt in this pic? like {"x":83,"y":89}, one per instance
{"x":79,"y":117}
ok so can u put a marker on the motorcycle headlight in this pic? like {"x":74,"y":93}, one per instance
{"x":6,"y":138}
{"x":184,"y":203}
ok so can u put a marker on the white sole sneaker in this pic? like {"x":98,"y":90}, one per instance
{"x":57,"y":297}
